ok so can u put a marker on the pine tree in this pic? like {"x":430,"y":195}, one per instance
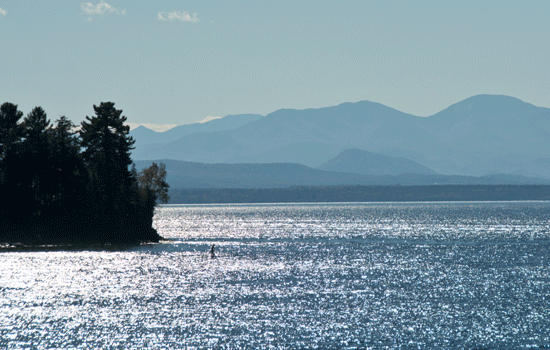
{"x":34,"y":163}
{"x":11,"y":135}
{"x":107,"y":147}
{"x":116,"y":208}
{"x":10,"y":131}
{"x":52,"y":191}
{"x":70,"y":173}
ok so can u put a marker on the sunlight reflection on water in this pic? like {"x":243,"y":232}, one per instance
{"x":294,"y":276}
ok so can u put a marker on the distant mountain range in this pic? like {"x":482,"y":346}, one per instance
{"x":484,"y":134}
{"x":357,"y":161}
{"x":145,"y":137}
{"x":278,"y":175}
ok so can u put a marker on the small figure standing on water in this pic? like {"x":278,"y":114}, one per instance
{"x":212,"y":254}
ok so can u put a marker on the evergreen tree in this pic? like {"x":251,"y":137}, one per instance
{"x":11,"y":131}
{"x":35,"y":125}
{"x":116,"y":207}
{"x":71,"y":175}
{"x":51,"y":190}
{"x":34,"y":168}
{"x":11,"y":134}
{"x":107,"y":148}
{"x":65,"y":138}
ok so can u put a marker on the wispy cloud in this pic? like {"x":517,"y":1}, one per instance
{"x":101,"y":8}
{"x":2,"y":12}
{"x":182,"y":16}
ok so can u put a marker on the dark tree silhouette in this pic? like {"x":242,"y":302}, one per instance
{"x":152,"y":181}
{"x":71,"y":175}
{"x":11,"y":134}
{"x":58,"y":185}
{"x":115,"y":204}
{"x":35,"y":166}
{"x":10,"y":131}
{"x":107,"y":148}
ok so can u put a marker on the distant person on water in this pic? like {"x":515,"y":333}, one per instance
{"x":212,"y":254}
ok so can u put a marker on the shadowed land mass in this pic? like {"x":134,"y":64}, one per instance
{"x":192,"y":175}
{"x":59,"y":185}
{"x":327,"y":194}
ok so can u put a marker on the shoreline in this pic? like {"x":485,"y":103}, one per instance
{"x":30,"y":236}
{"x":359,"y":193}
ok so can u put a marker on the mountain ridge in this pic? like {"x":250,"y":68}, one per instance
{"x":358,"y":161}
{"x":480,"y":135}
{"x":147,"y":137}
{"x":182,"y":174}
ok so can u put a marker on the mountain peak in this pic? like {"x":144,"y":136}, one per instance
{"x":489,"y":103}
{"x":479,"y":135}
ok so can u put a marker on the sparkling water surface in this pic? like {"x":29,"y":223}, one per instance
{"x":302,"y":276}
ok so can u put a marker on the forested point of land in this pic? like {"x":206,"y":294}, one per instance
{"x":363,"y":194}
{"x":60,"y":183}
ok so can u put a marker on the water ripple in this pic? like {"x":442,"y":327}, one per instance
{"x":465,"y":275}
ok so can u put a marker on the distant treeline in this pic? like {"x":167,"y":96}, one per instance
{"x":59,"y":184}
{"x":363,"y":194}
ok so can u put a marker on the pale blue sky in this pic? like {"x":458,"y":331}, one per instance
{"x":177,"y":62}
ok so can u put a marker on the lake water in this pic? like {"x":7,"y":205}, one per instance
{"x":303,"y":276}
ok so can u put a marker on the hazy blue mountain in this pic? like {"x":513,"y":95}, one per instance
{"x":367,"y":163}
{"x":484,"y":134}
{"x":290,"y":134}
{"x":487,"y":134}
{"x":200,"y":175}
{"x":146,"y":137}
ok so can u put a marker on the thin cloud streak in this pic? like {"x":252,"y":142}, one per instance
{"x":2,"y":12}
{"x":182,"y":16}
{"x":209,"y":118}
{"x":99,"y":9}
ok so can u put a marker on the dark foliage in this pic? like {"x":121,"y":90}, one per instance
{"x":61,"y":186}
